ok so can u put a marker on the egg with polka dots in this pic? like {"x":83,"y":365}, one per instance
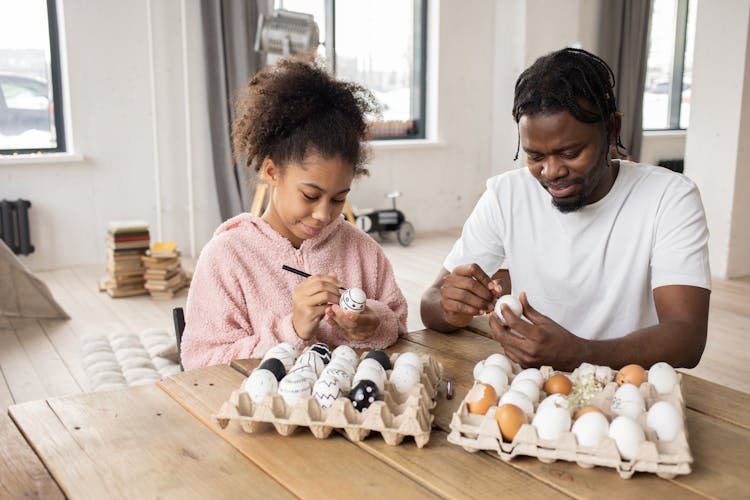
{"x":364,"y":394}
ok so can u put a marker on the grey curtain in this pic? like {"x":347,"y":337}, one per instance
{"x":229,"y":28}
{"x":623,"y":43}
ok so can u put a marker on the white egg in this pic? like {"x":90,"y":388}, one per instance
{"x":494,"y":376}
{"x":404,"y":377}
{"x":283,"y":353}
{"x":327,"y":390}
{"x":346,"y":353}
{"x":665,"y":419}
{"x":373,"y":363}
{"x":409,"y":358}
{"x":628,"y":401}
{"x":312,"y":359}
{"x":551,"y":421}
{"x":478,"y":369}
{"x":628,"y":436}
{"x":341,"y":364}
{"x":500,"y":360}
{"x":343,"y":377}
{"x":294,"y":387}
{"x":532,"y":374}
{"x":591,"y":428}
{"x":353,"y":300}
{"x":260,"y":384}
{"x":528,"y":387}
{"x":512,"y":302}
{"x":663,"y":377}
{"x":305,"y":371}
{"x":370,"y":372}
{"x":555,"y":400}
{"x":519,"y":399}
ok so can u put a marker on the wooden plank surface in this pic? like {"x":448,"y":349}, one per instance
{"x":22,"y":475}
{"x":307,"y":466}
{"x":136,"y":443}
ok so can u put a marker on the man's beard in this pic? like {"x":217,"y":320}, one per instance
{"x":570,"y":206}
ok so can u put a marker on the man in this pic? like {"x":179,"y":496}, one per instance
{"x":609,"y":258}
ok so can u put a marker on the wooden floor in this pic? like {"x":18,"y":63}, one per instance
{"x":41,"y":358}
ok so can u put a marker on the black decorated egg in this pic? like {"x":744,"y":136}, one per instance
{"x":381,"y":357}
{"x":275,"y":366}
{"x":324,"y":351}
{"x":364,"y":394}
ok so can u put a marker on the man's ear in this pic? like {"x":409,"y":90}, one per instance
{"x":270,"y":172}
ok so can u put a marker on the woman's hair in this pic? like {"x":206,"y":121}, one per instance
{"x":571,"y":80}
{"x":296,"y":108}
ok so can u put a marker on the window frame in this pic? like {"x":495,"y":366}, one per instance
{"x":56,"y":83}
{"x":419,"y":85}
{"x":674,"y":108}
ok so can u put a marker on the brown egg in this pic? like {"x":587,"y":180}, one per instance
{"x":510,"y":418}
{"x":587,"y":409}
{"x":631,"y":374}
{"x":558,"y":384}
{"x":480,"y":398}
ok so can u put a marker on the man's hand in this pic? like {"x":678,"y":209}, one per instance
{"x":540,"y":342}
{"x":311,"y":299}
{"x":356,"y":326}
{"x":467,"y":292}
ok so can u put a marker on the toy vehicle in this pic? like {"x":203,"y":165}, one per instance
{"x":383,"y":221}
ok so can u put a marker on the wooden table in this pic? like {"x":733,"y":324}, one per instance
{"x":161,"y":441}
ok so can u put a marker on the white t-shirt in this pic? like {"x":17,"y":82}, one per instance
{"x":592,"y":270}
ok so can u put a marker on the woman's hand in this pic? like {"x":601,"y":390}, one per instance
{"x":356,"y":326}
{"x":310,"y":300}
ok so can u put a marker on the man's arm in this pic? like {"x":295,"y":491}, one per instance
{"x":679,"y":338}
{"x":455,"y":298}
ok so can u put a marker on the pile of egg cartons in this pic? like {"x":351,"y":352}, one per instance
{"x":326,"y":390}
{"x":632,"y":420}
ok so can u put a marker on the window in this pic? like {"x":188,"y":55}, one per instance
{"x":30,"y":104}
{"x":666,"y":99}
{"x":381,"y":45}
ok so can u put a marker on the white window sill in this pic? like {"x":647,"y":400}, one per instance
{"x":406,"y":144}
{"x":40,"y":158}
{"x":664,"y":133}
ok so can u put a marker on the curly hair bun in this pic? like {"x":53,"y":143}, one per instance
{"x":295,"y":108}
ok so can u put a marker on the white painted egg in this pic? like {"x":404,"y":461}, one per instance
{"x":519,"y":399}
{"x":404,"y":377}
{"x":532,"y":374}
{"x":371,"y":363}
{"x":343,"y":377}
{"x":283,"y":353}
{"x":527,"y":387}
{"x":628,"y":435}
{"x":591,"y":428}
{"x":327,"y":390}
{"x":312,"y":359}
{"x":551,"y":421}
{"x":341,"y":364}
{"x":500,"y":360}
{"x":478,"y":369}
{"x":294,"y":387}
{"x":555,"y":400}
{"x":347,"y":354}
{"x":372,"y":374}
{"x":665,"y":419}
{"x":353,"y":300}
{"x":260,"y":384}
{"x":494,"y":376}
{"x":663,"y":377}
{"x":628,"y":401}
{"x":409,"y":358}
{"x":305,"y":371}
{"x":512,"y":302}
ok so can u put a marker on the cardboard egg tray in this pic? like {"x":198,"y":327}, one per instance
{"x":394,"y":417}
{"x":666,"y":459}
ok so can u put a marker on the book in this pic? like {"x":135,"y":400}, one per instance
{"x":125,"y":226}
{"x":161,"y":263}
{"x":161,"y":285}
{"x":126,"y":292}
{"x":160,"y":274}
{"x":164,"y":249}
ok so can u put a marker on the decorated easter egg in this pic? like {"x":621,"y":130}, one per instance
{"x":304,"y":371}
{"x":312,"y":359}
{"x":343,"y":376}
{"x":404,"y":377}
{"x":347,"y":354}
{"x":284,"y":352}
{"x":324,"y":351}
{"x":381,"y":357}
{"x":326,"y":390}
{"x":260,"y":384}
{"x":294,"y":387}
{"x":353,"y":300}
{"x":275,"y":366}
{"x":409,"y":358}
{"x":363,"y":394}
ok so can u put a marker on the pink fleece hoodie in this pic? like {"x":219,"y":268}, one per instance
{"x":240,"y":299}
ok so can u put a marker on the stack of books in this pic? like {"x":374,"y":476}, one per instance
{"x":164,"y":274}
{"x":127,"y":242}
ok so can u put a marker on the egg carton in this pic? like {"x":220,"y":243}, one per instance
{"x":666,"y":459}
{"x":396,"y":416}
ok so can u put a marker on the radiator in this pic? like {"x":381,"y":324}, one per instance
{"x":14,"y":226}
